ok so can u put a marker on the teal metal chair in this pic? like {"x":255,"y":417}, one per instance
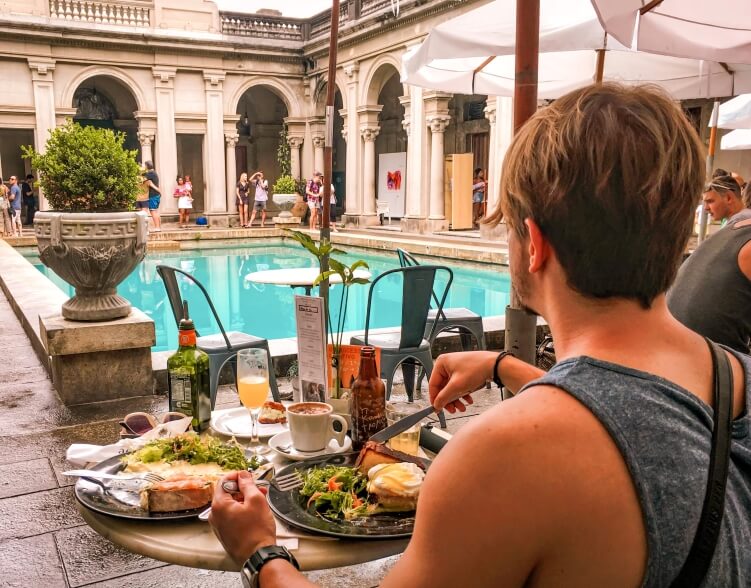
{"x":407,"y":346}
{"x":221,"y":347}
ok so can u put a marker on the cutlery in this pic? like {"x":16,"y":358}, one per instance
{"x":146,"y":477}
{"x":400,"y":426}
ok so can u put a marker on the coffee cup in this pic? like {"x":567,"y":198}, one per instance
{"x":311,"y":426}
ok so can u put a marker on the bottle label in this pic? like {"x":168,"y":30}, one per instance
{"x":186,"y":338}
{"x":180,"y":393}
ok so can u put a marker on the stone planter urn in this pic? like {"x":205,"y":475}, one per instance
{"x":286,"y":219}
{"x":93,"y":252}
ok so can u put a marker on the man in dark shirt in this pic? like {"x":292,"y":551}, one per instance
{"x":712,"y":293}
{"x":155,"y":195}
{"x":27,"y":191}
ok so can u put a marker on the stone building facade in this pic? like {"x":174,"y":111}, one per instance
{"x":207,"y":93}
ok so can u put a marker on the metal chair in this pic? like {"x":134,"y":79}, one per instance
{"x":408,"y":345}
{"x":455,"y":320}
{"x":221,"y":347}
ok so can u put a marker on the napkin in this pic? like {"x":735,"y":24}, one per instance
{"x":81,"y":454}
{"x":289,"y":537}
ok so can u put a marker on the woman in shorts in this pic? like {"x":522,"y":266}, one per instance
{"x":241,"y":191}
{"x":313,"y":195}
{"x":184,"y":202}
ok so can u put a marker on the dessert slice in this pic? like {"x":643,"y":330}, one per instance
{"x":272,"y":413}
{"x":177,"y":493}
{"x":395,"y":486}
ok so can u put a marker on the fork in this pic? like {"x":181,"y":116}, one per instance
{"x":94,"y":475}
{"x":283,"y":483}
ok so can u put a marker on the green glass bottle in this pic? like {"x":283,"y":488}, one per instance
{"x":188,"y":377}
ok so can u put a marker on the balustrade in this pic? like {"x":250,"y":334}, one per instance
{"x":132,"y":14}
{"x":244,"y":25}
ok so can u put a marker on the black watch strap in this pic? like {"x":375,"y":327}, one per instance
{"x":496,"y":376}
{"x":261,"y":557}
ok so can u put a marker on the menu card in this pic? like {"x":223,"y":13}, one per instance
{"x":311,"y":348}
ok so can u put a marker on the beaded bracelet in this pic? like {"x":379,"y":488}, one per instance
{"x":496,"y":378}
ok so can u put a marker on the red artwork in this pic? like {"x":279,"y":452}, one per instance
{"x":394,"y":180}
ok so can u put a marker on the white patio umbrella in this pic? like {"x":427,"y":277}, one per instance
{"x":736,"y":140}
{"x":474,"y":54}
{"x":735,"y":113}
{"x":719,"y":30}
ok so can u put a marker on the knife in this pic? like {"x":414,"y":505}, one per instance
{"x":400,"y":426}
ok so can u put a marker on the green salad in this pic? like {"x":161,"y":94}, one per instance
{"x":336,"y":492}
{"x":195,"y":450}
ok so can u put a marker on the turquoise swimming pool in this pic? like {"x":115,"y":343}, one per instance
{"x":267,"y":311}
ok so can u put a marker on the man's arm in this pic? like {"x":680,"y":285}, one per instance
{"x":154,"y":187}
{"x":744,"y":260}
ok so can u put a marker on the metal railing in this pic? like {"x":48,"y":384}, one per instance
{"x":133,"y":14}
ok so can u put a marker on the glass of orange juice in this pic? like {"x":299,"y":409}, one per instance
{"x":253,"y":389}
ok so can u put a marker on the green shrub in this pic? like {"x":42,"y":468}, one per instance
{"x":285,"y":185}
{"x":86,"y":169}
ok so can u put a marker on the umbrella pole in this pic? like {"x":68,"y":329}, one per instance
{"x":521,"y":325}
{"x":327,"y":148}
{"x":600,"y":68}
{"x":703,"y":216}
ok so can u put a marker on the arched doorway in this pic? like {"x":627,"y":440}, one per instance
{"x":262,"y":113}
{"x":391,"y":144}
{"x":105,"y":102}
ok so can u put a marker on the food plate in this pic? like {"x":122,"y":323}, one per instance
{"x":290,"y":507}
{"x":125,"y":504}
{"x":235,"y":422}
{"x":284,"y":440}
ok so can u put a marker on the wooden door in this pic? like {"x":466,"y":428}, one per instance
{"x":461,"y":191}
{"x":241,"y":160}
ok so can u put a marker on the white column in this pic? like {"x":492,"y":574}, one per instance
{"x":166,"y":143}
{"x":416,"y":135}
{"x":231,"y":139}
{"x":499,"y":112}
{"x":215,"y":178}
{"x":318,"y":144}
{"x":294,"y":155}
{"x":350,"y":132}
{"x":146,"y":139}
{"x":44,"y":107}
{"x":494,"y":163}
{"x":369,"y":135}
{"x":437,"y":126}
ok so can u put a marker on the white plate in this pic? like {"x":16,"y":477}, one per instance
{"x":284,"y":439}
{"x":236,"y":422}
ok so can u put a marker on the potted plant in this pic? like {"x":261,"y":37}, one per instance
{"x":348,"y":277}
{"x":285,"y":188}
{"x":91,"y":238}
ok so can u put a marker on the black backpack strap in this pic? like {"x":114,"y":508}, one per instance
{"x":702,"y":550}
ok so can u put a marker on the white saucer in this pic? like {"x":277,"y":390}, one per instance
{"x":235,"y":422}
{"x":283,"y":439}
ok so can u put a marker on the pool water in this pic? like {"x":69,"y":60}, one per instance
{"x":266,"y":310}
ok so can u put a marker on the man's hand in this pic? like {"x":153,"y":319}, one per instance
{"x":456,"y":375}
{"x":242,"y":522}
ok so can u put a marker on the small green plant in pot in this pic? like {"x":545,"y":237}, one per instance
{"x":91,"y":238}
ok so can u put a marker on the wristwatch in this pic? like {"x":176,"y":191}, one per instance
{"x":252,"y":568}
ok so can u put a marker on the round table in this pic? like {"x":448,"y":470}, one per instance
{"x":193,"y":543}
{"x":298,"y":277}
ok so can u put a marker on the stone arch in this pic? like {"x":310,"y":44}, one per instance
{"x":286,"y":95}
{"x":319,"y":96}
{"x":380,"y":71}
{"x":111,"y":72}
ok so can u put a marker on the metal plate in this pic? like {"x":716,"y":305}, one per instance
{"x":290,"y":507}
{"x":121,"y":503}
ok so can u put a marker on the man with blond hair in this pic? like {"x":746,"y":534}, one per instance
{"x":594,"y":474}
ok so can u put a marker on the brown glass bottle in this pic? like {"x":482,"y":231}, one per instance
{"x":368,"y":400}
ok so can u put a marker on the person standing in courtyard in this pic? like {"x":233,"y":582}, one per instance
{"x":27,"y":190}
{"x":142,"y":197}
{"x":16,"y":225}
{"x":241,"y":194}
{"x":595,"y":473}
{"x":313,"y":196}
{"x":155,"y":195}
{"x":260,"y":187}
{"x":5,"y":210}
{"x":479,"y":187}
{"x":184,"y":202}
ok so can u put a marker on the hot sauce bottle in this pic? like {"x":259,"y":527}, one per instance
{"x":368,"y":400}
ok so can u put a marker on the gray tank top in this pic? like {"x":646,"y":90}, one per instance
{"x":710,"y":295}
{"x":664,"y":435}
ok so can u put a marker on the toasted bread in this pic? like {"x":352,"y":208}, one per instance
{"x":374,"y":453}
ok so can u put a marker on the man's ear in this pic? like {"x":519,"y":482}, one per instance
{"x":539,"y":248}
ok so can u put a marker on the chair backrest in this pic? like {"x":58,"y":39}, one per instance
{"x":406,"y":259}
{"x":169,"y":278}
{"x":382,"y":207}
{"x":417,"y":290}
